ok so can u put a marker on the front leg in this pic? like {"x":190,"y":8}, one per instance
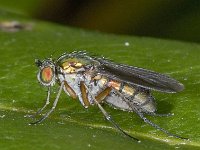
{"x":53,"y":107}
{"x":69,"y":90}
{"x":47,"y":103}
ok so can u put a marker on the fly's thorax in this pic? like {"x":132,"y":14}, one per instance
{"x":72,"y":67}
{"x":70,"y":78}
{"x":74,"y":86}
{"x":73,"y":64}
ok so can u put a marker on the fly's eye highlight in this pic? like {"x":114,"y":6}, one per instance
{"x":46,"y":74}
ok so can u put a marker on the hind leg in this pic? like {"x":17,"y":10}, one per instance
{"x":139,"y":110}
{"x":159,"y":115}
{"x":155,"y":125}
{"x":149,"y":107}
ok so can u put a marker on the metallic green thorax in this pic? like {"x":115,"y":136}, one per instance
{"x":75,"y":59}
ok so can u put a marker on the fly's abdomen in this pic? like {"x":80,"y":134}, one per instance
{"x":145,"y":102}
{"x":126,"y":97}
{"x":118,"y":86}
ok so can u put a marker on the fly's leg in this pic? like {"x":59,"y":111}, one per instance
{"x":52,"y":109}
{"x":158,"y":127}
{"x":70,"y":90}
{"x":101,"y":96}
{"x":159,"y":115}
{"x":47,"y":103}
{"x":107,"y":116}
{"x":137,"y":110}
{"x":84,"y":94}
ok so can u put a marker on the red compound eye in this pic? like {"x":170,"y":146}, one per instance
{"x":47,"y":74}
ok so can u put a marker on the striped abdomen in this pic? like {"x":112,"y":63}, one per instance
{"x":126,"y":97}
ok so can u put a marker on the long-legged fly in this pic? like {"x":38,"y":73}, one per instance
{"x":94,"y":80}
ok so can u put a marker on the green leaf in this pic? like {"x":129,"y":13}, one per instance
{"x":73,"y":127}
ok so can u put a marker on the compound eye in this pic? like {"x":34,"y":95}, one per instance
{"x":47,"y":74}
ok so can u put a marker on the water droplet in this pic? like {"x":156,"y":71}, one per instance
{"x":168,"y":60}
{"x":14,"y":109}
{"x":27,"y":116}
{"x":70,"y":136}
{"x":126,"y":44}
{"x":61,"y":123}
{"x":166,"y":140}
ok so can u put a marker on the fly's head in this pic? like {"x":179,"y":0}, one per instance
{"x":47,"y":72}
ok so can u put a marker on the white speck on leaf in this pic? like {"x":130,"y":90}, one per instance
{"x":126,"y":44}
{"x":61,"y":123}
{"x":27,"y":116}
{"x":70,"y":136}
{"x":14,"y":109}
{"x":177,"y":147}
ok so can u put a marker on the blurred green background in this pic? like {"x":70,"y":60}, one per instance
{"x":168,"y":19}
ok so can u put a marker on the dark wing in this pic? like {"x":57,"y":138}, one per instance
{"x":139,"y":77}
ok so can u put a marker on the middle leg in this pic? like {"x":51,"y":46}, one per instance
{"x":98,"y":99}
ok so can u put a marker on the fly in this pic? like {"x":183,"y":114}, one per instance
{"x":95,"y":80}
